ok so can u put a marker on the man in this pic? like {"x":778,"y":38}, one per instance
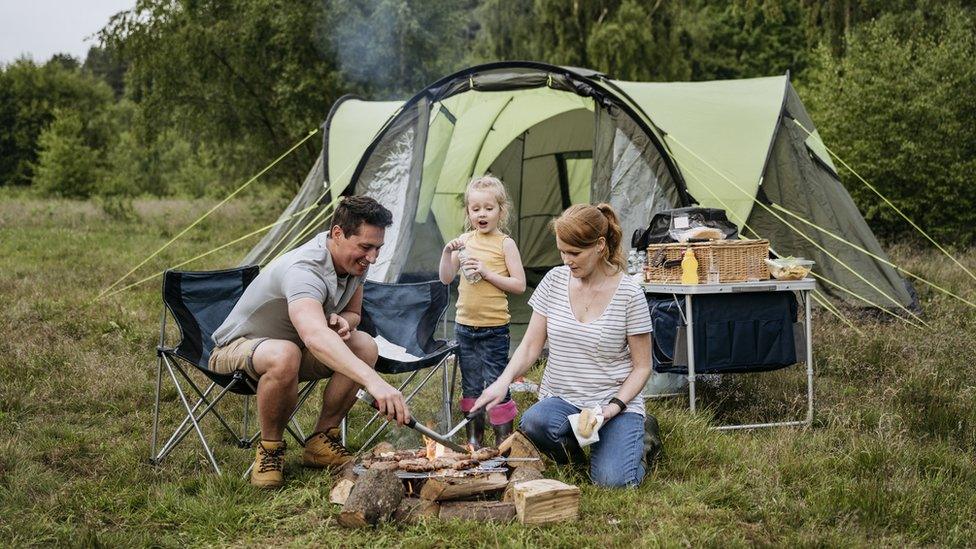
{"x":297,"y":321}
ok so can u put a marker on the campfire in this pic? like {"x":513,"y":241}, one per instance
{"x":487,"y":484}
{"x":433,"y":458}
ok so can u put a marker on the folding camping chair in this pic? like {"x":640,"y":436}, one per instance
{"x":199,"y":303}
{"x":407,"y":316}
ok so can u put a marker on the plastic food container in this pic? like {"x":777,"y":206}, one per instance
{"x":789,"y":268}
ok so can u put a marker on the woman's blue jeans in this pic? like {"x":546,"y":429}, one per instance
{"x":615,"y":460}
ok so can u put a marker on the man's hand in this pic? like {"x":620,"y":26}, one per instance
{"x":389,"y":401}
{"x":340,"y":326}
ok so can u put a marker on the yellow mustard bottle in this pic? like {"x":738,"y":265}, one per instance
{"x":689,"y":268}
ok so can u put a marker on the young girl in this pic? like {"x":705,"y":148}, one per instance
{"x":490,"y":262}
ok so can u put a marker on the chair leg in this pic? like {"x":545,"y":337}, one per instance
{"x":155,"y":427}
{"x":219,"y":417}
{"x":181,"y":430}
{"x":447,"y":389}
{"x":196,"y":426}
{"x":244,"y":430}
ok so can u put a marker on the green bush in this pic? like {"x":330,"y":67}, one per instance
{"x":30,"y":95}
{"x":66,"y":165}
{"x":899,"y":107}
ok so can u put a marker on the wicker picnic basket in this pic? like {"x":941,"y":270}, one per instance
{"x":736,"y":260}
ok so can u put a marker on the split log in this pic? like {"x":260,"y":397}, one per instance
{"x":518,"y":446}
{"x":484,"y":511}
{"x":340,"y":492}
{"x":544,"y":501}
{"x":522,"y":474}
{"x":383,"y":448}
{"x":346,"y":472}
{"x":373,"y":498}
{"x":414,"y":510}
{"x":449,"y":488}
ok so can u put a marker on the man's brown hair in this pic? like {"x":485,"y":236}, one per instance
{"x":353,"y":211}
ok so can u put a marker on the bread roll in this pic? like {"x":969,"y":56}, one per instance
{"x":586,"y":423}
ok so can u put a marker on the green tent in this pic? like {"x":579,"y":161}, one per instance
{"x":560,"y":135}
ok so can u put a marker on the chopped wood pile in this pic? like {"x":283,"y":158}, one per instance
{"x":486,"y":485}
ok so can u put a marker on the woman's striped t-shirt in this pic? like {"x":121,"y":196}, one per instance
{"x":588,"y":362}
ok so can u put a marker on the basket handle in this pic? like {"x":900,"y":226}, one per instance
{"x":658,"y":260}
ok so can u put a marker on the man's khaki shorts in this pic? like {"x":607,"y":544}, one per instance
{"x":239,"y":355}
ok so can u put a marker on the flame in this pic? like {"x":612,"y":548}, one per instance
{"x":434,"y":449}
{"x":471,"y":450}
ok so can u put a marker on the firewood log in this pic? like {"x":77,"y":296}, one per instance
{"x":414,"y":510}
{"x":448,"y":488}
{"x":484,"y":511}
{"x":373,"y":498}
{"x":340,"y":492}
{"x":382,"y":448}
{"x":545,"y":500}
{"x":518,"y":445}
{"x":347,"y":472}
{"x":521,"y":474}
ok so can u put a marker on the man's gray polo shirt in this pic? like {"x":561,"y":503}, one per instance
{"x":306,"y":271}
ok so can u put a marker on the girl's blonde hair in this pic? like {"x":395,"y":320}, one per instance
{"x":582,"y":225}
{"x":496,"y":188}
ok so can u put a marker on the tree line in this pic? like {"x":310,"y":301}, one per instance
{"x":189,"y":97}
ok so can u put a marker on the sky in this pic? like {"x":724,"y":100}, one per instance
{"x":41,"y":28}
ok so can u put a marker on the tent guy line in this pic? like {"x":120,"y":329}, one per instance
{"x":816,"y":295}
{"x":801,"y":233}
{"x":890,"y":204}
{"x":204,"y":254}
{"x":210,"y":211}
{"x":822,"y":301}
{"x":878,"y":258}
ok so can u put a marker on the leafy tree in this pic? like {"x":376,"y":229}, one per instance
{"x":29,"y":96}
{"x":638,"y":42}
{"x":251,"y":73}
{"x":104,"y":63}
{"x":67,"y":166}
{"x":252,"y":77}
{"x":900,"y":106}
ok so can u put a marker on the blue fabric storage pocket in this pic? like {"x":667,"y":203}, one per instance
{"x":743,"y":337}
{"x":771,"y":342}
{"x":733,"y":332}
{"x":665,"y":320}
{"x":717,"y":350}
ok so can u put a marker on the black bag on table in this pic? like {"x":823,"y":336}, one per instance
{"x":667,"y":224}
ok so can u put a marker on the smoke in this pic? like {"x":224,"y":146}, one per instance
{"x":390,"y":48}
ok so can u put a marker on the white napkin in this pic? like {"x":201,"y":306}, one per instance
{"x":393,"y":351}
{"x":595,"y":436}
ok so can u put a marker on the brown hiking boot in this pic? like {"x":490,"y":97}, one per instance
{"x":269,"y":464}
{"x":325,"y":450}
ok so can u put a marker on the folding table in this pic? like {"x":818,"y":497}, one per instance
{"x":802,"y":287}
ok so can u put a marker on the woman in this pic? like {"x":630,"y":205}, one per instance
{"x":596,"y":321}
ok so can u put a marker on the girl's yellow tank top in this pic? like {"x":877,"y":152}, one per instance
{"x":482,"y":304}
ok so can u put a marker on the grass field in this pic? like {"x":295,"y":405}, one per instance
{"x":889,"y":460}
